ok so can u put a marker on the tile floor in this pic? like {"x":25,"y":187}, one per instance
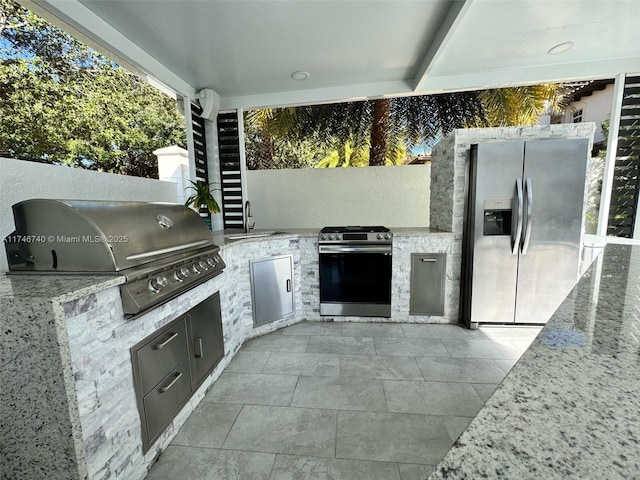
{"x":348,"y":401}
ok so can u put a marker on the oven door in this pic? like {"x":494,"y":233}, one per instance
{"x":355,"y":280}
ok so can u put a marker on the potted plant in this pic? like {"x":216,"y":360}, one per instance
{"x":202,"y":199}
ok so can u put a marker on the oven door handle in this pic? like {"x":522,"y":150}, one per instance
{"x":355,"y":249}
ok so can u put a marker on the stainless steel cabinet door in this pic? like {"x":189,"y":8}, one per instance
{"x":494,"y":172}
{"x":272,"y":289}
{"x":428,"y":275}
{"x":554,"y":175}
{"x":205,"y":335}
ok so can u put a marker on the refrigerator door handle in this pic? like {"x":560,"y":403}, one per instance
{"x":516,"y":234}
{"x":527,"y":232}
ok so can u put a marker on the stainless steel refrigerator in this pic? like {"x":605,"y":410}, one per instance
{"x":523,"y":229}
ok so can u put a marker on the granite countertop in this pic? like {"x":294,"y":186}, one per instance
{"x":570,"y":407}
{"x":51,"y":286}
{"x":70,"y":287}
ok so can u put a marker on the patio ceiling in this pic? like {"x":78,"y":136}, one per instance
{"x":247,"y":50}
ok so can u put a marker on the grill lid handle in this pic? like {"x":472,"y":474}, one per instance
{"x":153,"y":253}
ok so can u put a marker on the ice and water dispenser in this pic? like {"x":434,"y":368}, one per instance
{"x":497,"y":216}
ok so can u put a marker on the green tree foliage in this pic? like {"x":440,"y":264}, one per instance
{"x":61,"y":102}
{"x":383,"y":131}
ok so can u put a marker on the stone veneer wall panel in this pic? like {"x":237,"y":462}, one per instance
{"x":451,"y":155}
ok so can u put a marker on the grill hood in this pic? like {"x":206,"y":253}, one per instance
{"x":101,"y":236}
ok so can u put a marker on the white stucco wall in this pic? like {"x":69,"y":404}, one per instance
{"x":595,"y":108}
{"x":21,"y":180}
{"x":311,"y":198}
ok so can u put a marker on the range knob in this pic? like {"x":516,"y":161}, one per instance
{"x":157,"y":284}
{"x":181,"y":274}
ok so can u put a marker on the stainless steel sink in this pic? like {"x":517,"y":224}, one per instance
{"x":240,"y":236}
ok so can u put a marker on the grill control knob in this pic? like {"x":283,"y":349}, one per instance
{"x":387,"y":236}
{"x":203,"y":265}
{"x":157,"y":284}
{"x":379,"y":236}
{"x":212,"y":261}
{"x":330,"y":237}
{"x":196,"y":268}
{"x":181,"y":274}
{"x":323,"y":237}
{"x":338,"y":237}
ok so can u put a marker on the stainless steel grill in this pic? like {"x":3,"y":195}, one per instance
{"x":162,"y":249}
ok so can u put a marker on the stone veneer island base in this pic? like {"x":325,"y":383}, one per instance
{"x":67,"y":404}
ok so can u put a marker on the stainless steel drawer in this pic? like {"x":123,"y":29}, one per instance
{"x":162,"y":402}
{"x":161,"y":355}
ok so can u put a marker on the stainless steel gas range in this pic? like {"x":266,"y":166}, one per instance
{"x":355,"y":271}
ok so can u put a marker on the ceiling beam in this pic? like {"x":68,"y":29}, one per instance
{"x":452,"y":19}
{"x":79,"y":21}
{"x":343,"y":93}
{"x":532,"y":75}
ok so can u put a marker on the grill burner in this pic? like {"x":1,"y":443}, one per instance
{"x":162,"y":249}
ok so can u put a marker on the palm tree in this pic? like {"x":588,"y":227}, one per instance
{"x":388,"y":127}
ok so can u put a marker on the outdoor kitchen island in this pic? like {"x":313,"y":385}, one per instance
{"x":68,"y":407}
{"x":569,"y":407}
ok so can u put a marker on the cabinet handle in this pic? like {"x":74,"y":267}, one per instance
{"x":288,"y":284}
{"x":430,"y":260}
{"x":171,"y":383}
{"x":160,"y":346}
{"x":197,"y":347}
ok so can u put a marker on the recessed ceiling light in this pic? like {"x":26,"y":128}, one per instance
{"x":560,"y":48}
{"x":299,"y":75}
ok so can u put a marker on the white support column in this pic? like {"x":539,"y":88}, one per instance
{"x":213,"y":168}
{"x":186,"y":109}
{"x":610,"y":160}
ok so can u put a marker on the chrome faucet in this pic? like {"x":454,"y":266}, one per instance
{"x":247,"y":214}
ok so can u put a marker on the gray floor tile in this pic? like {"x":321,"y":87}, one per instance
{"x":372,"y":330}
{"x":247,"y":361}
{"x":289,"y":467}
{"x":415,"y":472}
{"x":392,"y":437}
{"x":427,"y":347}
{"x":497,"y":333}
{"x":379,"y":366}
{"x":297,"y":431}
{"x":485,"y":390}
{"x":476,"y":348}
{"x":208,"y":425}
{"x":432,"y":398}
{"x":448,"y":369}
{"x":506,"y":364}
{"x":345,"y":345}
{"x":317,"y":364}
{"x":314,"y":328}
{"x":342,"y":393}
{"x":253,"y":388}
{"x":456,"y":425}
{"x":208,"y":464}
{"x":277,"y":343}
{"x":434,"y":331}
